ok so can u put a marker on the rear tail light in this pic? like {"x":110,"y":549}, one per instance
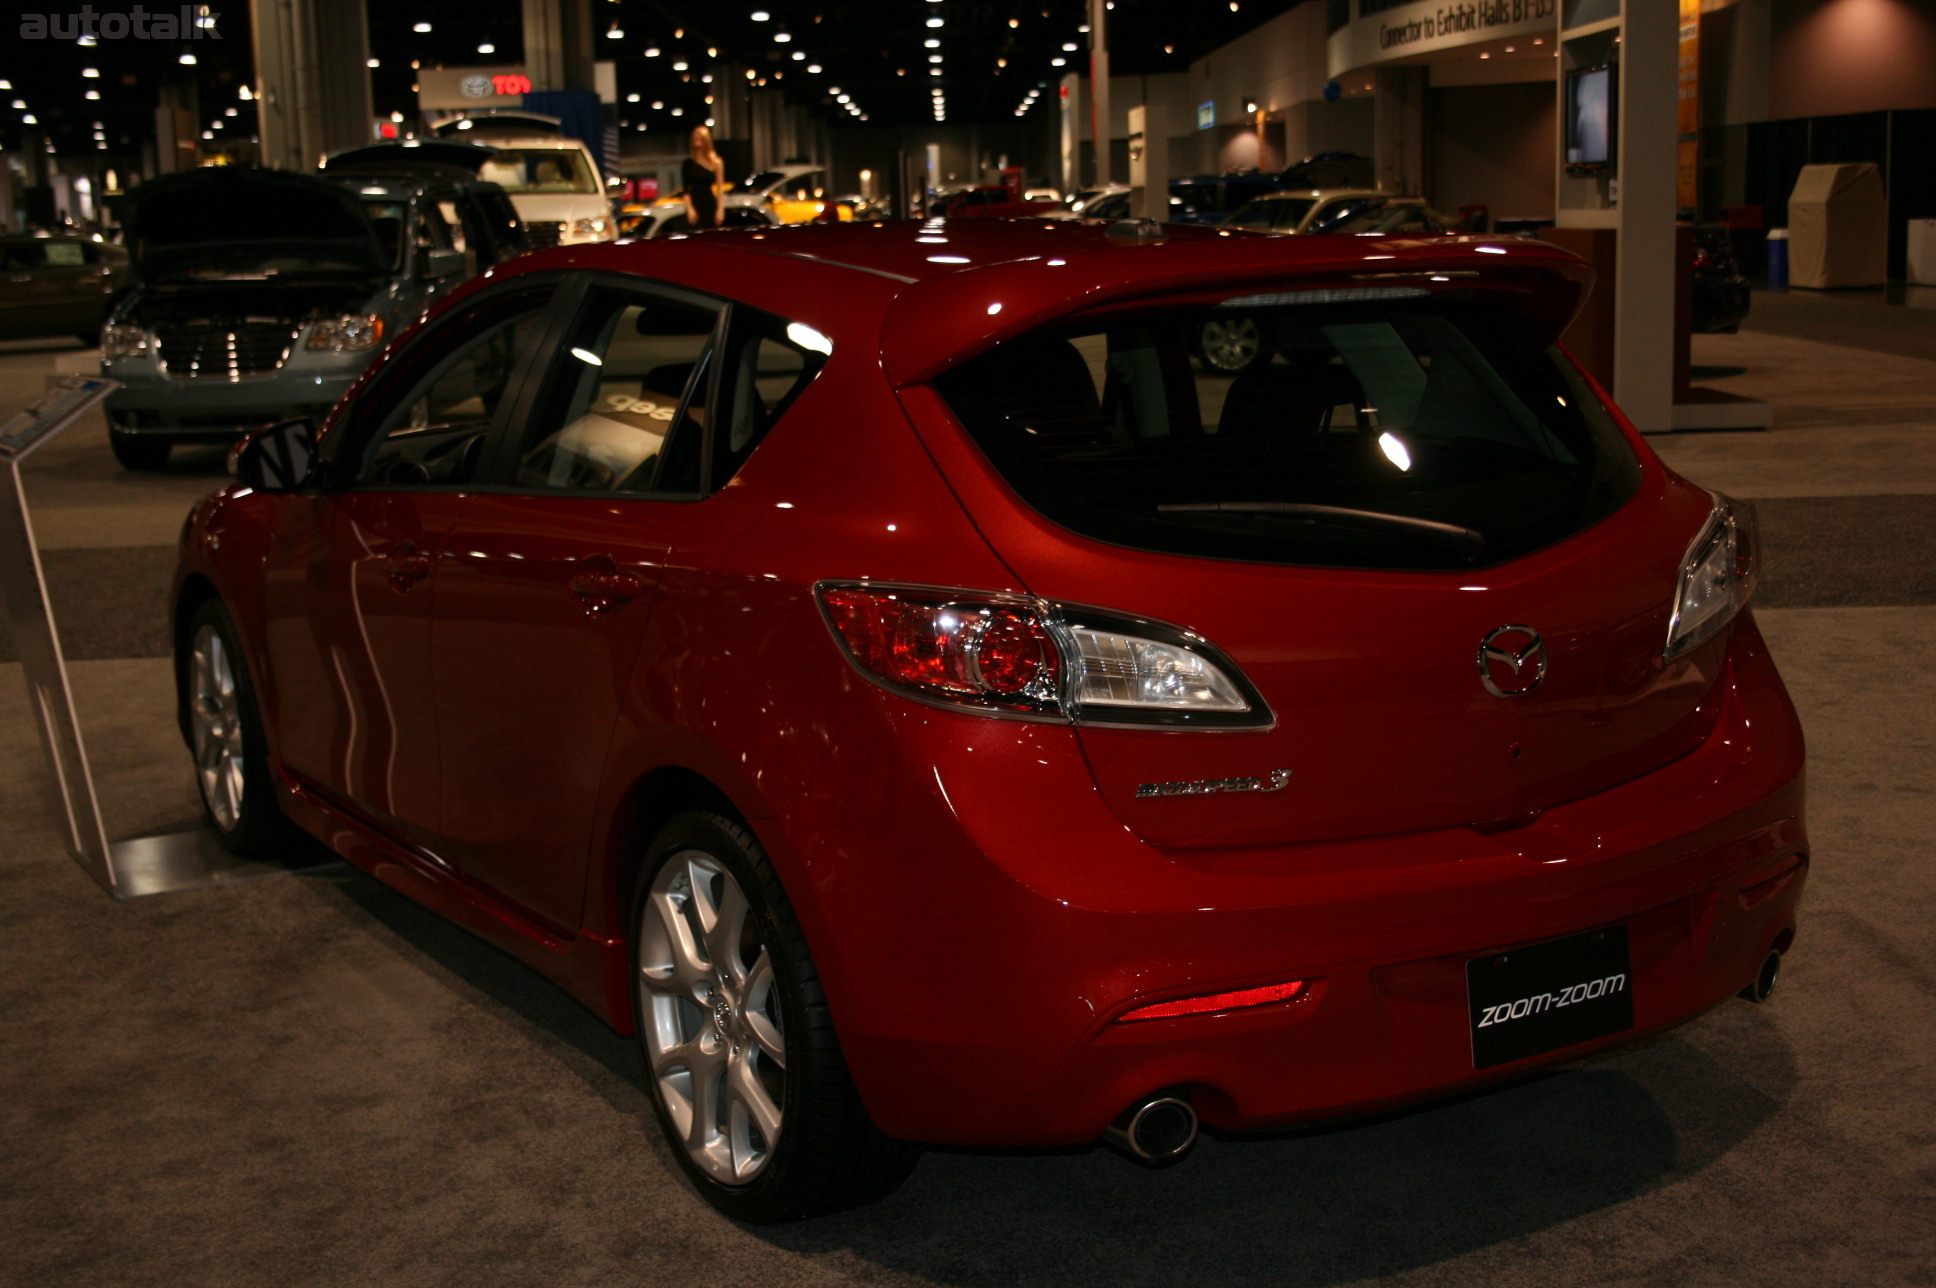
{"x":1717,"y":577}
{"x":1242,"y":998}
{"x":1019,"y":656}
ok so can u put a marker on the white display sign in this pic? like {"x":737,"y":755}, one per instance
{"x":1380,"y":35}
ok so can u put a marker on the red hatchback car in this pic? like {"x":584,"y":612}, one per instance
{"x":874,"y":665}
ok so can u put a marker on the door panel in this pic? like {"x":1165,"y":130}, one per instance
{"x":542,"y":605}
{"x":378,"y":746}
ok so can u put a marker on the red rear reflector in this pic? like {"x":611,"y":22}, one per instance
{"x":1217,"y":1002}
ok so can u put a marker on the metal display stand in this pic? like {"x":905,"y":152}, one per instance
{"x":127,"y":869}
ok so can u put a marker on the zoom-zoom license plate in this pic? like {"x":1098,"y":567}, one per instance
{"x":1547,"y":996}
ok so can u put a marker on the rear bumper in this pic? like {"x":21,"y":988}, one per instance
{"x":977,"y":992}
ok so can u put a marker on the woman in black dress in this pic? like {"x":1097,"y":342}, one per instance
{"x":704,"y":176}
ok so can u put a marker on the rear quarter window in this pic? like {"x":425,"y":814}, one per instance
{"x":1398,"y":434}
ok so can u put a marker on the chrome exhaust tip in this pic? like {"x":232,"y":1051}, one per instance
{"x":1156,"y":1130}
{"x":1765,"y":979}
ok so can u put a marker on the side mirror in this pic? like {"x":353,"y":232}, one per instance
{"x":279,"y":457}
{"x":442,"y":261}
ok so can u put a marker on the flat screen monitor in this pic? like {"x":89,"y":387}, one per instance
{"x":1590,"y":119}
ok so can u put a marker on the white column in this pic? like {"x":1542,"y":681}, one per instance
{"x":1643,"y":327}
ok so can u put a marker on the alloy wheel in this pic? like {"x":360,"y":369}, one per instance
{"x":216,"y":722}
{"x":1230,"y":345}
{"x":714,"y":1036}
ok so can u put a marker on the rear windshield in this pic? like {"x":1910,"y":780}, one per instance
{"x":1399,"y":434}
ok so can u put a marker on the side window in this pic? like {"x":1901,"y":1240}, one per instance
{"x":435,"y":431}
{"x":768,"y":362}
{"x":625,"y":409}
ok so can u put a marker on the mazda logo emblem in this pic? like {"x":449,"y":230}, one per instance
{"x":1512,"y":661}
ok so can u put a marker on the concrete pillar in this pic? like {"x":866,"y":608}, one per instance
{"x":1398,"y":129}
{"x":313,"y":80}
{"x":1643,"y":324}
{"x":558,"y":44}
{"x":1099,"y":87}
{"x":177,"y":117}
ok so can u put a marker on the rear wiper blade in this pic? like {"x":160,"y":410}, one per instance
{"x":1467,"y":541}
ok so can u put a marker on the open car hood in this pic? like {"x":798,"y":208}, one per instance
{"x":223,"y":221}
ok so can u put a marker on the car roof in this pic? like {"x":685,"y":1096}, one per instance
{"x":927,"y":294}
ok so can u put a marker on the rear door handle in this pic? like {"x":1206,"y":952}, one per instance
{"x":600,"y":584}
{"x":407,"y":564}
{"x":606,"y":585}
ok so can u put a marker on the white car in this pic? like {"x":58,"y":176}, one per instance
{"x":555,"y":186}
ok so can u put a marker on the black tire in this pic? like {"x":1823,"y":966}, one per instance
{"x":719,"y":1015}
{"x":224,"y":727}
{"x":142,"y":452}
{"x":1231,"y":346}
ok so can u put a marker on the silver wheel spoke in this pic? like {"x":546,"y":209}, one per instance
{"x":687,"y":969}
{"x":723,"y":936}
{"x":747,"y":1090}
{"x":759,"y":1000}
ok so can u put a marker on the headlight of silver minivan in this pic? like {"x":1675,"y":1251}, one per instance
{"x":120,"y":340}
{"x":349,"y":334}
{"x":1717,"y":576}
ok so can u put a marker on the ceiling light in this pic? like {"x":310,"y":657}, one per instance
{"x":934,"y":58}
{"x":931,"y":43}
{"x":652,"y":52}
{"x":616,"y":32}
{"x":90,"y":72}
{"x":375,"y":62}
{"x":422,"y":29}
{"x":187,"y":60}
{"x":92,"y":95}
{"x":631,"y":98}
{"x":799,"y":55}
{"x":679,"y":66}
{"x":1058,"y":62}
{"x":761,"y":15}
{"x":781,"y":38}
{"x":1068,"y":47}
{"x":936,"y":22}
{"x":487,"y":48}
{"x":814,"y":68}
{"x":658,"y":105}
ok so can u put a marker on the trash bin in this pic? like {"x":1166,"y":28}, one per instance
{"x":1922,"y":251}
{"x":1777,"y":259}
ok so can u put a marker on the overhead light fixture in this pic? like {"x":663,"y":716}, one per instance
{"x":422,"y":28}
{"x":91,"y":73}
{"x":760,"y":15}
{"x":615,"y":32}
{"x":814,"y":68}
{"x":936,"y":22}
{"x":187,"y":60}
{"x":487,"y":48}
{"x":653,"y":52}
{"x":374,"y":62}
